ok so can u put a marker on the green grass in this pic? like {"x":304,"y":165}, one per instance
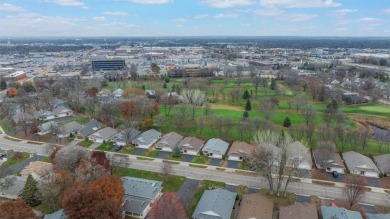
{"x":127,"y":150}
{"x":150,"y":153}
{"x":171,"y":184}
{"x":82,"y":120}
{"x":244,"y":165}
{"x":85,"y":143}
{"x":105,"y":147}
{"x":46,"y":159}
{"x":173,"y":157}
{"x":281,"y":200}
{"x":6,"y":126}
{"x":45,"y":138}
{"x":204,"y":185}
{"x":200,"y":160}
{"x":13,"y":160}
{"x":368,"y":109}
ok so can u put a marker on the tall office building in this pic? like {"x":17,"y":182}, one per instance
{"x":108,"y":65}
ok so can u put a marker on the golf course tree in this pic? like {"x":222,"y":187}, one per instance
{"x":271,"y":149}
{"x":246,"y":95}
{"x":248,"y":105}
{"x":245,"y":115}
{"x":195,"y":98}
{"x":30,"y":192}
{"x":287,"y":122}
{"x":273,"y":84}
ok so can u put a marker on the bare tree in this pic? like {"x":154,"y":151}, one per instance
{"x":309,"y":114}
{"x":168,"y":101}
{"x":160,"y":120}
{"x":268,"y":107}
{"x":325,"y":150}
{"x":7,"y":182}
{"x":195,"y":98}
{"x":235,"y":95}
{"x":167,"y":170}
{"x":69,"y":158}
{"x":118,"y":161}
{"x":354,"y":189}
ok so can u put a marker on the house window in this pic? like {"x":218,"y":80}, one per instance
{"x":185,"y":151}
{"x":328,"y":169}
{"x":361,"y":172}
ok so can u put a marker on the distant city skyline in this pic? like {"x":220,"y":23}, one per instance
{"x":88,"y":18}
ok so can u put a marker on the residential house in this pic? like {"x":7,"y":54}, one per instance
{"x":140,"y":194}
{"x":102,"y":135}
{"x":255,"y":206}
{"x":169,"y":141}
{"x":299,"y":156}
{"x":54,"y":103}
{"x":215,"y":204}
{"x":377,"y":216}
{"x":150,"y":93}
{"x":360,"y":165}
{"x":335,"y":164}
{"x":118,"y":93}
{"x":68,"y":129}
{"x":60,"y":214}
{"x":44,"y":115}
{"x":15,"y":189}
{"x":331,"y":212}
{"x":62,"y":111}
{"x":240,"y":151}
{"x":190,"y":145}
{"x":215,"y":148}
{"x":125,"y":136}
{"x":104,"y":95}
{"x":383,"y":163}
{"x":39,"y":170}
{"x":146,"y":139}
{"x":21,"y":117}
{"x":298,"y":211}
{"x":47,"y":128}
{"x":89,"y":128}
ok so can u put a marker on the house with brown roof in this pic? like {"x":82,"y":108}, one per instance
{"x":255,"y":206}
{"x":240,"y":151}
{"x":298,"y":211}
{"x":38,"y":170}
{"x":190,"y":145}
{"x":334,"y":164}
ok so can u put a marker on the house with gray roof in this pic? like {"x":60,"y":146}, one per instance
{"x":14,"y":188}
{"x":44,"y":115}
{"x":125,"y":136}
{"x":215,"y":148}
{"x":140,"y":194}
{"x":331,"y":212}
{"x":169,"y":141}
{"x":54,"y":103}
{"x":190,"y":145}
{"x":332,"y":163}
{"x":67,"y":129}
{"x":62,"y":111}
{"x":60,"y":214}
{"x":102,"y":135}
{"x":47,"y":127}
{"x":383,"y":163}
{"x":360,"y":165}
{"x":215,"y":204}
{"x":298,"y":156}
{"x":89,"y":128}
{"x":146,"y":139}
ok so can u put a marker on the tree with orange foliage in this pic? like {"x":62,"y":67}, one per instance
{"x":132,"y":92}
{"x":16,"y":209}
{"x":128,"y":109}
{"x":92,"y":92}
{"x":12,"y":92}
{"x":148,"y":123}
{"x":168,"y":206}
{"x":153,"y":109}
{"x":102,"y":199}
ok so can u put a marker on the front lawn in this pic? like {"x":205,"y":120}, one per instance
{"x":127,"y":150}
{"x":200,"y":160}
{"x":85,"y":143}
{"x":279,"y":200}
{"x":18,"y":157}
{"x":171,"y":184}
{"x":204,"y":185}
{"x":150,"y":153}
{"x":173,"y":157}
{"x":105,"y":147}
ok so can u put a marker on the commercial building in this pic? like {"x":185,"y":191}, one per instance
{"x":108,"y":65}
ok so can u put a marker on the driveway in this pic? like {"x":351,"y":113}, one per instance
{"x":369,"y":209}
{"x":302,"y":199}
{"x":73,"y":143}
{"x":252,"y":190}
{"x":187,"y":191}
{"x":163,"y":154}
{"x":94,"y":145}
{"x":138,"y":151}
{"x":231,"y":188}
{"x":373,"y":182}
{"x":232,"y":164}
{"x":188,"y":158}
{"x":15,"y":169}
{"x":215,"y":161}
{"x":340,"y":178}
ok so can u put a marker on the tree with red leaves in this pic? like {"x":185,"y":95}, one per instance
{"x":128,"y":109}
{"x":16,"y":209}
{"x":99,"y":157}
{"x":168,"y":206}
{"x":92,"y":92}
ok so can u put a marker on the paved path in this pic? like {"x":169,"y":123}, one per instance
{"x":94,"y":146}
{"x":14,"y":169}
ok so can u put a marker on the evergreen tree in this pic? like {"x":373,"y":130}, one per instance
{"x":273,"y":84}
{"x":176,"y":152}
{"x":287,"y":122}
{"x":335,"y":104}
{"x":143,"y":87}
{"x":165,"y":85}
{"x":245,"y":114}
{"x":30,"y":192}
{"x":246,"y":95}
{"x":248,"y":106}
{"x":3,"y":85}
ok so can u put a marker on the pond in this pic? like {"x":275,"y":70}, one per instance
{"x":380,"y":134}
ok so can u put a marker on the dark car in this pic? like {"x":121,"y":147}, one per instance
{"x":335,"y":174}
{"x":118,"y":148}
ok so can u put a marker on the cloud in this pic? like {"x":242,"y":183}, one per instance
{"x":115,"y":13}
{"x":179,"y":20}
{"x":343,"y":12}
{"x":386,"y":11}
{"x":10,"y":7}
{"x":297,"y":17}
{"x":299,"y":3}
{"x":228,"y":3}
{"x":99,"y":18}
{"x":226,"y":15}
{"x":201,"y":16}
{"x":74,"y":3}
{"x":369,"y":20}
{"x":156,"y":2}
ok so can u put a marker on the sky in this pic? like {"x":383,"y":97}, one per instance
{"x":82,"y":18}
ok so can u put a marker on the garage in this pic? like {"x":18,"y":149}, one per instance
{"x":371,"y":174}
{"x":235,"y":158}
{"x":99,"y":140}
{"x":215,"y":156}
{"x":190,"y":152}
{"x":169,"y":149}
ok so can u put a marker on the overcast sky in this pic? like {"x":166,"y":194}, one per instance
{"x":195,"y":18}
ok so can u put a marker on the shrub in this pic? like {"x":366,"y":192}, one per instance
{"x":287,"y":122}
